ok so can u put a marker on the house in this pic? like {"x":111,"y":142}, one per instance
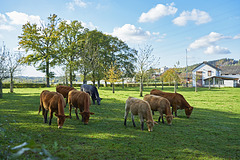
{"x":205,"y":75}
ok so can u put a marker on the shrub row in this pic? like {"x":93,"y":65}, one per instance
{"x":41,"y":85}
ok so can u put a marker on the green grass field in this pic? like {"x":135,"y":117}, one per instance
{"x":212,"y":131}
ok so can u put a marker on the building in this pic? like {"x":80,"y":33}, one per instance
{"x":205,"y":75}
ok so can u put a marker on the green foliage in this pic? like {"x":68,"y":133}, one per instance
{"x":212,"y":131}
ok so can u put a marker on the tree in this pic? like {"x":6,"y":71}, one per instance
{"x":113,"y":75}
{"x":68,"y":45}
{"x":145,"y":60}
{"x":13,"y":64}
{"x":42,"y":42}
{"x":4,"y":72}
{"x":171,"y":75}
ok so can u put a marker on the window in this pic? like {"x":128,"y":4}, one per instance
{"x":209,"y":73}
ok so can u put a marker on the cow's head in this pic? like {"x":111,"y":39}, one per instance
{"x":188,"y":111}
{"x":99,"y":100}
{"x":61,"y":120}
{"x":150,"y":125}
{"x":169,"y":119}
{"x":85,"y":116}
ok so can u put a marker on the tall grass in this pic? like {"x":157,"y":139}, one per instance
{"x":212,"y":131}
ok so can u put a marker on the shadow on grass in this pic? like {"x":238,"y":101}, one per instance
{"x":206,"y":134}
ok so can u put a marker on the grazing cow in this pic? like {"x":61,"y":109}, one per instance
{"x":64,"y":91}
{"x":52,"y":102}
{"x":81,"y":100}
{"x":141,"y":108}
{"x":160,"y":104}
{"x":176,"y":100}
{"x":92,"y":91}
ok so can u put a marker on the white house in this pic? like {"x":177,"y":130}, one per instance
{"x":206,"y":74}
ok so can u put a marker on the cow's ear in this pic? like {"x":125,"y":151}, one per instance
{"x":101,"y":98}
{"x":56,"y":115}
{"x":81,"y":113}
{"x":91,"y":113}
{"x":155,"y":122}
{"x":67,"y":117}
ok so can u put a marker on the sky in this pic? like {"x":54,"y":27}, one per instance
{"x":184,"y":31}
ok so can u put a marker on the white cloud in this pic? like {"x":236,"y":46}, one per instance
{"x":89,"y":25}
{"x":2,"y":18}
{"x":6,"y":27}
{"x":135,"y":35}
{"x":76,"y":3}
{"x":156,"y":13}
{"x":196,"y":15}
{"x":208,"y":43}
{"x":19,"y":18}
{"x":217,"y":50}
{"x":207,"y":40}
{"x":237,"y":36}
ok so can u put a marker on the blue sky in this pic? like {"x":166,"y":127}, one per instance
{"x":208,"y":29}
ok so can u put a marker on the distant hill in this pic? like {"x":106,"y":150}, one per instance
{"x":217,"y":63}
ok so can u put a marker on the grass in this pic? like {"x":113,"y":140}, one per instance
{"x":212,"y":131}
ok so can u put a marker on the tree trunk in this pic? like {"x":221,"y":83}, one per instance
{"x":141,"y":86}
{"x":113,"y":88}
{"x":105,"y":83}
{"x":11,"y":83}
{"x":1,"y":95}
{"x":122,"y":83}
{"x":98,"y":84}
{"x":175,"y":87}
{"x":47,"y":73}
{"x":70,"y":76}
{"x":85,"y":78}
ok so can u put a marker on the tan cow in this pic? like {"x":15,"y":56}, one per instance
{"x":160,"y":104}
{"x":142,"y":109}
{"x":81,"y":100}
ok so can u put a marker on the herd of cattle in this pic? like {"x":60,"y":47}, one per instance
{"x":155,"y":101}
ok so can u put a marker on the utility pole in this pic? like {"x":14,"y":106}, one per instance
{"x":186,"y":70}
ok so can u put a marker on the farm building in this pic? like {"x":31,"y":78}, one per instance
{"x":205,"y":75}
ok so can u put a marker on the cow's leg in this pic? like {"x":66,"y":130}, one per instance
{"x":161,"y":116}
{"x":174,"y":109}
{"x":45,"y":112}
{"x":76,"y":112}
{"x":141,"y":122}
{"x":133,"y":120}
{"x":70,"y":110}
{"x":66,"y":101}
{"x":126,"y":114}
{"x":152,"y":112}
{"x":93,"y":99}
{"x":50,"y":117}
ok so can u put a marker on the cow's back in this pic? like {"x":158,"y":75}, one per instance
{"x":64,"y":90}
{"x":78,"y":98}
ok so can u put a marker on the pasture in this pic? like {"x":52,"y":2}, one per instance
{"x":212,"y":131}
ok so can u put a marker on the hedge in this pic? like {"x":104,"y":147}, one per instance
{"x":42,"y":85}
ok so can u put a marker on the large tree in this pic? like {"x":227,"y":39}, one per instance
{"x":69,"y":45}
{"x":41,"y":41}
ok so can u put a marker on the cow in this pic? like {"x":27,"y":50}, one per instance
{"x":160,"y":104}
{"x":52,"y":102}
{"x":92,"y":91}
{"x":64,"y":91}
{"x":81,"y":100}
{"x":142,"y":109}
{"x":176,"y":100}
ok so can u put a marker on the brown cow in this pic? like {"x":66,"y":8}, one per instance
{"x":64,"y":91}
{"x":160,"y":104}
{"x":176,"y":100}
{"x":53,"y":102}
{"x":81,"y":100}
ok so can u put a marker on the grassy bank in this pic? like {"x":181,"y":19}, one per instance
{"x":212,"y":131}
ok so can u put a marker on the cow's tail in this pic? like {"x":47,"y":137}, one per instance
{"x":87,"y":103}
{"x":40,"y":105}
